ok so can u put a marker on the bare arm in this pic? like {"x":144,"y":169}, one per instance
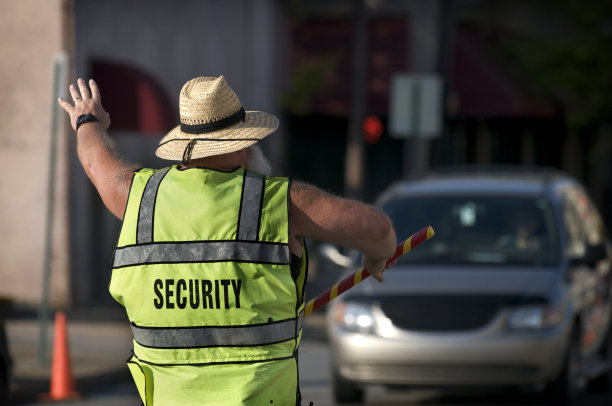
{"x":109,"y":174}
{"x":322,"y":216}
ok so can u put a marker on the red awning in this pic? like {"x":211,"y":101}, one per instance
{"x":485,"y":88}
{"x":323,"y":51}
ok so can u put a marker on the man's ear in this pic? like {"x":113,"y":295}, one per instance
{"x":242,"y":156}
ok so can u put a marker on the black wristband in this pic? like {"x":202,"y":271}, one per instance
{"x":85,"y":118}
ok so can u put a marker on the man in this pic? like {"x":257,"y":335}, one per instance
{"x":211,"y":262}
{"x":525,"y":224}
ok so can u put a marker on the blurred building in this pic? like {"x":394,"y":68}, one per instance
{"x":141,"y":52}
{"x":296,"y":59}
{"x":33,"y":33}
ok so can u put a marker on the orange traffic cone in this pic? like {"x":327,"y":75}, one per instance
{"x":62,"y":384}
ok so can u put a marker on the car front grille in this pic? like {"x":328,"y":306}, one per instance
{"x":447,"y":313}
{"x":441,"y":374}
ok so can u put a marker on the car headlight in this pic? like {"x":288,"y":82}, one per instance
{"x":354,"y":317}
{"x":534,"y":317}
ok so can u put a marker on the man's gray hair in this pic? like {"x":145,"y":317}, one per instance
{"x":257,"y":161}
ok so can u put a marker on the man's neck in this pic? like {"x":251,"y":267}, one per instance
{"x":225,"y":162}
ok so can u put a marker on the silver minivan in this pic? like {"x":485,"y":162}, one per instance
{"x":515,"y":289}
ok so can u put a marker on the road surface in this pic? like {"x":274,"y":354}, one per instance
{"x":99,"y":350}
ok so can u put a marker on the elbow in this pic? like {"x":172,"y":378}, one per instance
{"x":383,"y":237}
{"x":383,"y":228}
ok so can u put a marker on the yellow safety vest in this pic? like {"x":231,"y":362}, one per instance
{"x":203,"y":269}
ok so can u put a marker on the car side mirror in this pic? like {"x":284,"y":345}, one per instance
{"x":331,"y":253}
{"x":592,"y":255}
{"x":596,"y":253}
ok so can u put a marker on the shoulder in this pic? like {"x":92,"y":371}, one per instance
{"x":140,"y":172}
{"x":311,"y":204}
{"x":305,"y":191}
{"x":304,"y":196}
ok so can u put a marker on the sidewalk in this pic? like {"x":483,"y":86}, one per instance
{"x":98,"y":346}
{"x":100,"y":342}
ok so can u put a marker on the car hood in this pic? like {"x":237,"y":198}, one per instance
{"x":431,"y":280}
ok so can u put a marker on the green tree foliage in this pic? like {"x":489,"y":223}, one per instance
{"x":306,"y":80}
{"x":572,"y":63}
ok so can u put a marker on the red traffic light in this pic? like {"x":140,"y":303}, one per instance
{"x":372,"y":129}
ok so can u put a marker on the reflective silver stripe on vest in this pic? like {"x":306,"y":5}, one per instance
{"x":201,"y":251}
{"x":190,"y":337}
{"x":250,"y":207}
{"x":147,"y":204}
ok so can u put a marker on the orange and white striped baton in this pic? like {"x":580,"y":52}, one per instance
{"x":356,"y":277}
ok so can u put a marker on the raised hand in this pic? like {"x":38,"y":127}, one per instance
{"x":85,"y":102}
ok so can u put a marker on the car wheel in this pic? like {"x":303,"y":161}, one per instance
{"x":604,"y":381}
{"x":346,"y":391}
{"x":564,"y":389}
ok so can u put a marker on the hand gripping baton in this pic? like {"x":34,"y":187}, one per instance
{"x":345,"y":284}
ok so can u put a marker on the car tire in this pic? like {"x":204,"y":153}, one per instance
{"x":564,"y":389}
{"x":4,"y":390}
{"x":346,"y":391}
{"x":604,"y":381}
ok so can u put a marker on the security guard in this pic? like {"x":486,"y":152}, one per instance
{"x":210,"y":263}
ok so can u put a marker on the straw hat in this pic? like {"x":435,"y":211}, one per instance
{"x":213,"y":122}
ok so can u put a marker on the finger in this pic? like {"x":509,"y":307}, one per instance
{"x":74,"y":93}
{"x":83,"y":88}
{"x":95,"y":91}
{"x":65,"y":105}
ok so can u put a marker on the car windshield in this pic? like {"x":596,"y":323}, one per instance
{"x":478,"y":229}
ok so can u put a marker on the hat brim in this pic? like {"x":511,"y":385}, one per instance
{"x":256,"y":126}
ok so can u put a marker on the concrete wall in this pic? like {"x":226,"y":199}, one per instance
{"x":176,"y":41}
{"x":31,"y":35}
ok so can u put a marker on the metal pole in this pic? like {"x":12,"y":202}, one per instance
{"x":413,"y":146}
{"x":353,"y":178}
{"x":423,"y":35}
{"x":43,"y":313}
